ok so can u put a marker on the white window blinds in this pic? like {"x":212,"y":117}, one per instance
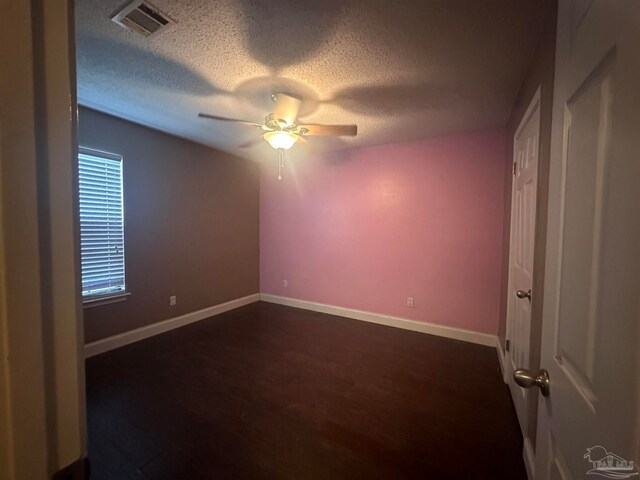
{"x":101,"y":223}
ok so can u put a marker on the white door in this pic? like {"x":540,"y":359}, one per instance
{"x":592,"y":283}
{"x":523,"y":215}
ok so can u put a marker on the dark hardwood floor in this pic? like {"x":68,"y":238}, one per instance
{"x":272,"y":392}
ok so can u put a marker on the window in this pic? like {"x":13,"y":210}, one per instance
{"x":101,"y":224}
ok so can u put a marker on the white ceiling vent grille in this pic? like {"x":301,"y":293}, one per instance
{"x":143,"y":18}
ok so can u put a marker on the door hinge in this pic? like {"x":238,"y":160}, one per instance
{"x":507,"y":345}
{"x":514,"y":168}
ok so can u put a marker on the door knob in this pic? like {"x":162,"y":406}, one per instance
{"x":526,"y":379}
{"x":523,"y":294}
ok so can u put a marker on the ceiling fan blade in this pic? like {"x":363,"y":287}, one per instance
{"x":330,"y":130}
{"x":226,"y":119}
{"x":287,"y":107}
{"x":251,"y":143}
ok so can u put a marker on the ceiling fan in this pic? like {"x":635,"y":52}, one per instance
{"x":281,"y":129}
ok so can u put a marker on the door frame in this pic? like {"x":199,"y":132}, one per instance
{"x":535,"y":103}
{"x":42,"y":395}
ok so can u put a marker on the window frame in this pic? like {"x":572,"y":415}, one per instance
{"x":114,"y":296}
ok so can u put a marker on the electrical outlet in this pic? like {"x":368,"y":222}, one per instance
{"x":410,"y":302}
{"x":285,"y":283}
{"x":172,"y":300}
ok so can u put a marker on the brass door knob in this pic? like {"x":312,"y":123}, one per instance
{"x":523,"y":294}
{"x":526,"y":379}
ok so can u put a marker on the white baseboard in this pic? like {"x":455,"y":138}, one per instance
{"x":390,"y":321}
{"x":125,"y":338}
{"x":502,"y":360}
{"x":529,"y":459}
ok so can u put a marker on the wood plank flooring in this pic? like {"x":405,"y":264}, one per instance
{"x":273,"y":392}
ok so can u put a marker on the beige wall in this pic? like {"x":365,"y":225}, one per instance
{"x":191,"y":224}
{"x":540,"y":73}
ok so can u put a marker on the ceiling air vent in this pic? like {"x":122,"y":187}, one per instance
{"x":142,"y":17}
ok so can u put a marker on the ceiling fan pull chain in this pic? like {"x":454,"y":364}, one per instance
{"x":280,"y":162}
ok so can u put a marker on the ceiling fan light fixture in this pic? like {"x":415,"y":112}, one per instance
{"x":279,"y":139}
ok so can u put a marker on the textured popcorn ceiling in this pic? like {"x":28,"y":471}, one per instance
{"x":399,"y":69}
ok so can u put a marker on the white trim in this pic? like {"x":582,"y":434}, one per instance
{"x":97,"y":300}
{"x":388,"y":320}
{"x":125,"y":338}
{"x":93,"y":152}
{"x":529,"y":457}
{"x":502,"y":360}
{"x":533,"y":104}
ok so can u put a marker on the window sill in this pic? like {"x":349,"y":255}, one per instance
{"x":96,"y":301}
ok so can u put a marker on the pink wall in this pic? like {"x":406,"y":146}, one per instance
{"x":366,"y":228}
